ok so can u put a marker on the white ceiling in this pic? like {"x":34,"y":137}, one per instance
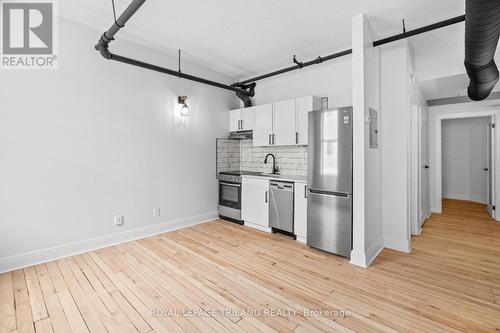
{"x":242,"y":38}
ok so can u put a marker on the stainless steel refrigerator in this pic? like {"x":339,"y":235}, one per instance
{"x":329,"y":199}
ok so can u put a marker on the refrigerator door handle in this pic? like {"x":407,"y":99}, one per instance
{"x":331,"y":194}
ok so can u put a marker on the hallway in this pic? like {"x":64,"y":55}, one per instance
{"x":456,"y":261}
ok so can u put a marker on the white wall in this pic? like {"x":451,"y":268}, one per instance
{"x":95,"y":138}
{"x":442,"y":59}
{"x":332,"y":79}
{"x":395,"y":145}
{"x":464,"y":155}
{"x":373,"y":191}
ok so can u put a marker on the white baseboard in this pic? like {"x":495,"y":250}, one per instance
{"x":463,"y":198}
{"x":364,"y":260}
{"x":398,"y":245}
{"x":374,"y":251}
{"x":258,"y":227}
{"x":358,"y":259}
{"x":302,"y":239}
{"x":54,"y":253}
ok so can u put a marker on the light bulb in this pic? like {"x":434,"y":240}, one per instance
{"x":185,"y":111}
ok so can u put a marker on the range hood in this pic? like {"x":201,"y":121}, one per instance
{"x":241,"y":135}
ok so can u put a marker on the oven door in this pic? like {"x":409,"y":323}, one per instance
{"x":230,"y":195}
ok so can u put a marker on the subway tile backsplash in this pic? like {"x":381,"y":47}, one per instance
{"x":242,"y":155}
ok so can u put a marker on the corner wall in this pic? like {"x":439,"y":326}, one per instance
{"x":395,"y":143}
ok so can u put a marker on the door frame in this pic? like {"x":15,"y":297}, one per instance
{"x":438,"y":169}
{"x":415,"y":172}
{"x":418,"y":213}
{"x":491,"y":174}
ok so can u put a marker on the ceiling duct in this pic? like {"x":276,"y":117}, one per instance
{"x":482,"y":29}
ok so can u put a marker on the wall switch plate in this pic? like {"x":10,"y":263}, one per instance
{"x":156,"y":212}
{"x":119,"y":220}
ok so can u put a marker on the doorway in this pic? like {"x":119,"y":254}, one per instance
{"x":484,"y":188}
{"x":465,"y":159}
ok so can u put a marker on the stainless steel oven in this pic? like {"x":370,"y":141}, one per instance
{"x":230,"y":197}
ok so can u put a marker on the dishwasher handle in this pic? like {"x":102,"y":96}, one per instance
{"x":281,"y":186}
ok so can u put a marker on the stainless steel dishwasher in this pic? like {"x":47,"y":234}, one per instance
{"x":281,"y":206}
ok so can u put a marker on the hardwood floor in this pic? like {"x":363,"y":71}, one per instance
{"x":450,"y":283}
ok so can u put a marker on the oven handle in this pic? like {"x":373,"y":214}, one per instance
{"x":233,"y":185}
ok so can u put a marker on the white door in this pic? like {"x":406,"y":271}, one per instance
{"x":247,"y":118}
{"x":235,"y":120}
{"x":303,"y":106}
{"x":284,"y":123}
{"x":490,"y":170}
{"x":255,"y":202}
{"x":263,"y":125}
{"x":425,"y":205}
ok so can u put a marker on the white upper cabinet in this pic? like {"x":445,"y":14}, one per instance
{"x":284,"y":126}
{"x":247,"y":118}
{"x":304,"y":105}
{"x":241,"y":120}
{"x":234,"y":120}
{"x":263,"y":125}
{"x":283,"y":123}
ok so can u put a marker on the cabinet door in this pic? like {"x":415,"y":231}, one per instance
{"x":263,"y":125}
{"x":300,"y":206}
{"x":247,"y":117}
{"x":234,"y":120}
{"x":284,"y":123}
{"x":255,"y":202}
{"x":304,"y":106}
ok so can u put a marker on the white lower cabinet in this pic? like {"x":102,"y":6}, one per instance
{"x":300,"y":215}
{"x":255,"y":203}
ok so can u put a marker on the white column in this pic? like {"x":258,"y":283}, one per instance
{"x":358,"y":256}
{"x":367,"y":189}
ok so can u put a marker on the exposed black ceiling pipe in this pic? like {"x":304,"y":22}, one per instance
{"x":107,"y":37}
{"x":406,"y":34}
{"x":387,"y":40}
{"x":316,"y":61}
{"x":482,"y":29}
{"x":246,"y":88}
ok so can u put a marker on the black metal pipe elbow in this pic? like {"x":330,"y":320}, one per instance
{"x":246,"y":98}
{"x":104,"y":51}
{"x":482,"y":30}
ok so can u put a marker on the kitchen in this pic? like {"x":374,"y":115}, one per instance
{"x":248,"y":166}
{"x":274,"y":151}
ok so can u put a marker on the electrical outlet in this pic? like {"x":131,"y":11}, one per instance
{"x":156,"y":212}
{"x":119,"y":220}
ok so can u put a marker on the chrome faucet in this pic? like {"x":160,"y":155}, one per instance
{"x":275,"y":168}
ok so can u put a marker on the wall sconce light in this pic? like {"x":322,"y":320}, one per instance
{"x":185,"y":111}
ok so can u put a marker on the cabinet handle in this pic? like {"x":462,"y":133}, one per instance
{"x":270,"y":142}
{"x":296,"y":137}
{"x":274,"y":142}
{"x":266,"y":197}
{"x":240,"y":124}
{"x":305,"y":191}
